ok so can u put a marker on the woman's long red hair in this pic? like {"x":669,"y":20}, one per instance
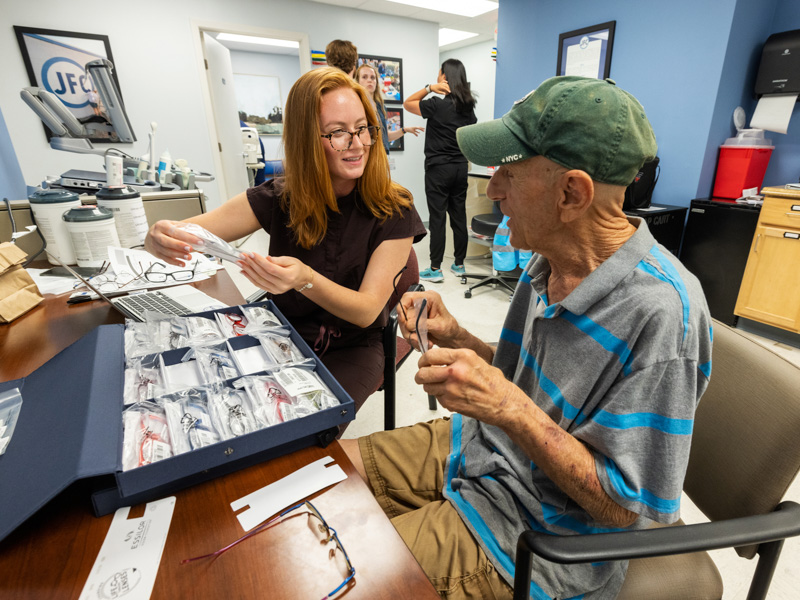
{"x":307,"y":192}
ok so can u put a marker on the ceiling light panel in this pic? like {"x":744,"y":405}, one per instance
{"x":450,"y":36}
{"x":464,"y":8}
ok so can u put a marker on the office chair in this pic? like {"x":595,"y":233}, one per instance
{"x":486,"y":224}
{"x":745,"y":453}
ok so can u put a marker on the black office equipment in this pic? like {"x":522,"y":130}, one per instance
{"x":715,"y":248}
{"x":665,"y":223}
{"x":779,"y":70}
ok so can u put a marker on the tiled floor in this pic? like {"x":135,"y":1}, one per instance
{"x":482,"y":315}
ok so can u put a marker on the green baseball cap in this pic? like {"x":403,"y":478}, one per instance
{"x":577,"y":122}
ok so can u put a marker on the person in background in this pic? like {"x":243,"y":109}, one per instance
{"x":339,"y":229}
{"x":580,"y":420}
{"x":367,"y":76}
{"x":445,"y":165}
{"x":343,"y":55}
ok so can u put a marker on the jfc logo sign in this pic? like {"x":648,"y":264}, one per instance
{"x":68,"y":80}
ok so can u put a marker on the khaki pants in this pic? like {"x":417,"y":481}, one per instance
{"x":406,"y":471}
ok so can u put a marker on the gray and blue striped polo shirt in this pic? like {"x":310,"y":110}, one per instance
{"x":620,"y":363}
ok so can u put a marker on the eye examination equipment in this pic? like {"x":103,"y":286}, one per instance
{"x":72,"y":135}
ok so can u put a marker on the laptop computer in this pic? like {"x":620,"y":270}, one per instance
{"x":178,"y":300}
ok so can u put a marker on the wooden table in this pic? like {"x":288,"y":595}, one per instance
{"x":51,"y":554}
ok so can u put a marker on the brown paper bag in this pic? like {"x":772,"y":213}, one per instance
{"x":18,"y":292}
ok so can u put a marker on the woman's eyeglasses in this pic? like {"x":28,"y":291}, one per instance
{"x":330,"y":536}
{"x":154,"y":276}
{"x":341,"y":140}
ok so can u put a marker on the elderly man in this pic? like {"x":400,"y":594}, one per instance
{"x":580,"y":421}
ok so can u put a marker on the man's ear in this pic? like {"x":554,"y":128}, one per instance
{"x":577,"y":195}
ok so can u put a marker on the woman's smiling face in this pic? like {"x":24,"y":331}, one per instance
{"x":341,"y":110}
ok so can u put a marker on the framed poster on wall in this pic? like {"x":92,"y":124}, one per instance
{"x":390,"y":74}
{"x":586,"y":52}
{"x":55,"y":62}
{"x":394,"y":121}
{"x":259,"y":102}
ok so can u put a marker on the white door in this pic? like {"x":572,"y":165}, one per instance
{"x":226,"y":117}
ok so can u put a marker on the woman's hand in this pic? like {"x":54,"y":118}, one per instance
{"x":440,"y":88}
{"x":275,"y":274}
{"x":169,"y":242}
{"x":415,"y":130}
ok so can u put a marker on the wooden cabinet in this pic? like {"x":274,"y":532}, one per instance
{"x":770,"y":290}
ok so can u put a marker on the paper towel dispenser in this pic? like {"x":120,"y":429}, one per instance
{"x":779,"y":71}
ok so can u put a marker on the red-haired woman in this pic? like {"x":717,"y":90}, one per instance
{"x":339,"y":228}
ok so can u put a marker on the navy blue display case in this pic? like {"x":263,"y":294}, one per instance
{"x":70,"y":428}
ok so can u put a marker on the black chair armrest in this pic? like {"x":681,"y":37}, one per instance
{"x":780,"y":524}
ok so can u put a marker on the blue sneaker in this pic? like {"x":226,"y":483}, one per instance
{"x":457,"y":269}
{"x":432,"y":275}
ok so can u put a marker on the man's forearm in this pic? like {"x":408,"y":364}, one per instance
{"x":565,"y":460}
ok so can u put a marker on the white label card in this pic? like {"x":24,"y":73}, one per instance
{"x":273,"y":498}
{"x":298,"y":381}
{"x":127,"y":564}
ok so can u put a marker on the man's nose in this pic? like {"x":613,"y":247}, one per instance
{"x":494,"y":190}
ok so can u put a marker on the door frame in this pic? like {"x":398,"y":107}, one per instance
{"x":199,"y":27}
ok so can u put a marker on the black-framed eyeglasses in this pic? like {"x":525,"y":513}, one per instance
{"x":160,"y":277}
{"x":330,"y":533}
{"x":341,"y":140}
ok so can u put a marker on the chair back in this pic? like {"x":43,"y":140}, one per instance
{"x":409,"y":277}
{"x":746,"y":443}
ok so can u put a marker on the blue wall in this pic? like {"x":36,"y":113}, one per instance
{"x":12,"y":184}
{"x":689,"y":63}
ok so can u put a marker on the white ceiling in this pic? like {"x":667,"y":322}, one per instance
{"x":484,"y":25}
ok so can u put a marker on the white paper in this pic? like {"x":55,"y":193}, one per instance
{"x":252,"y":360}
{"x":127,"y":564}
{"x":127,"y":264}
{"x":773,"y":112}
{"x":285,"y":492}
{"x":583,"y":59}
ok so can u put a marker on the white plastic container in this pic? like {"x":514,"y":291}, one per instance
{"x":92,"y":231}
{"x":47,"y":207}
{"x":126,"y":205}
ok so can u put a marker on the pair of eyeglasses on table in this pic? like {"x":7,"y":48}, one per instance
{"x":110,"y":282}
{"x":330,"y":536}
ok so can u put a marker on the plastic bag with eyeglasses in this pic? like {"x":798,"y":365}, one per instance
{"x":306,"y":388}
{"x":271,"y":404}
{"x":231,"y":411}
{"x":211,"y":244}
{"x":231,"y":324}
{"x":145,"y":435}
{"x":167,"y":332}
{"x":137,"y":341}
{"x":202,"y":331}
{"x":214,"y":362}
{"x":260,"y":318}
{"x":189,"y":419}
{"x":143,"y":379}
{"x":280,"y":347}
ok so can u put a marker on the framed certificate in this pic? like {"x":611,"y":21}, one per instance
{"x":586,"y":52}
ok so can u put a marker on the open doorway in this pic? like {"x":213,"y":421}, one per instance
{"x":247,"y":79}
